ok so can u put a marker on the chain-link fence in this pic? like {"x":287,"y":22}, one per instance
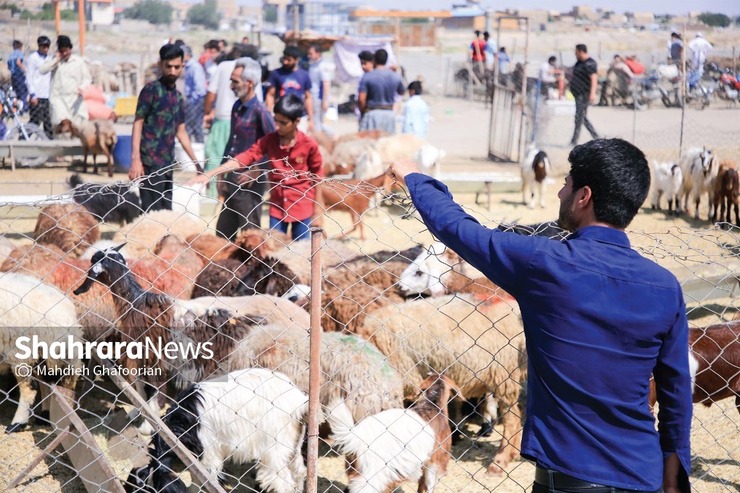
{"x":154,"y":323}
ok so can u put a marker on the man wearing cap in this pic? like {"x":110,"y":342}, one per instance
{"x":699,"y":47}
{"x":38,"y":86}
{"x":290,"y":79}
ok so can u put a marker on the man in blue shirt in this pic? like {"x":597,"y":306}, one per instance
{"x":195,"y":94}
{"x":599,"y":319}
{"x":290,"y":79}
{"x":377,"y":94}
{"x":18,"y":73}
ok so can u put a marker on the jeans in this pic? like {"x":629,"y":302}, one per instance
{"x":299,"y":230}
{"x":582,"y":118}
{"x":41,"y":116}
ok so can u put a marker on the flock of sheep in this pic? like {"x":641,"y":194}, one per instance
{"x":405,"y":334}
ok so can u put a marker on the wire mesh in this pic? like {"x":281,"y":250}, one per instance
{"x":194,"y":307}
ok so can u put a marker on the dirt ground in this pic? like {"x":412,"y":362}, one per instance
{"x":689,"y":247}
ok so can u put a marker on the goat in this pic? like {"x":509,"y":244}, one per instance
{"x":714,"y":359}
{"x":668,"y":181}
{"x":535,"y":168}
{"x":115,"y":203}
{"x":699,"y":174}
{"x":96,"y":137}
{"x":254,"y":414}
{"x":397,"y":445}
{"x":726,"y":190}
{"x":352,"y":196}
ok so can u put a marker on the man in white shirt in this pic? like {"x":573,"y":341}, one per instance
{"x":699,"y":47}
{"x":39,"y":85}
{"x":550,"y":76}
{"x":415,"y":112}
{"x":69,"y":78}
{"x":321,"y":74}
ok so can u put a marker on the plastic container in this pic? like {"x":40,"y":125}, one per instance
{"x":122,"y":152}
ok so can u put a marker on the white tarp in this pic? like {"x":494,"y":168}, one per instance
{"x":346,"y":51}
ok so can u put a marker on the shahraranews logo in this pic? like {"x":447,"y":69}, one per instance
{"x":30,"y":347}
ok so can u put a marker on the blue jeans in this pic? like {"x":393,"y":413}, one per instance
{"x":299,"y":230}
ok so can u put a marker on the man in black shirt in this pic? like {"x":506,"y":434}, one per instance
{"x":583,"y":86}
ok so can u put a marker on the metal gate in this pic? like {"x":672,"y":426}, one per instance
{"x":509,"y":122}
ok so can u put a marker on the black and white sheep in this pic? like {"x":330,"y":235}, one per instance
{"x":252,"y":415}
{"x":31,"y":308}
{"x":112,"y":203}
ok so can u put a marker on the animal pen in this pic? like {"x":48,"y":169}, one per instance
{"x":362,"y":337}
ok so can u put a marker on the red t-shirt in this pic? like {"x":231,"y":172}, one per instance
{"x":293,"y":193}
{"x":479,"y":54}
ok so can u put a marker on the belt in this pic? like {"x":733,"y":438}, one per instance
{"x":370,"y":108}
{"x":560,"y":481}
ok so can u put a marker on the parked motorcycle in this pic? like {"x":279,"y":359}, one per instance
{"x":648,"y":88}
{"x":729,"y":87}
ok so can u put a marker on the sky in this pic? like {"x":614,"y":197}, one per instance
{"x":729,"y":7}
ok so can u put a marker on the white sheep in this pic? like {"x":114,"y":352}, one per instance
{"x":668,"y":179}
{"x":252,"y":415}
{"x":699,"y":170}
{"x":479,"y":345}
{"x":534,"y":170}
{"x":31,"y":308}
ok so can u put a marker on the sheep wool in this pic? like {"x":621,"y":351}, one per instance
{"x":71,"y":227}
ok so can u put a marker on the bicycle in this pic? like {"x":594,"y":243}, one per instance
{"x":18,"y":130}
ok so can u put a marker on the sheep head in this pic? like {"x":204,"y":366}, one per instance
{"x":106,"y":266}
{"x":426,"y":274}
{"x":707,"y":160}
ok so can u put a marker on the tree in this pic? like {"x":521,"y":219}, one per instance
{"x":715,"y":20}
{"x":205,"y":14}
{"x":154,"y":11}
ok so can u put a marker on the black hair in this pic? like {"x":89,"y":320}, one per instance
{"x":290,"y":106}
{"x":179,"y":42}
{"x":380,"y":57}
{"x":552,"y":59}
{"x":63,"y":42}
{"x":43,"y":41}
{"x":618,"y":175}
{"x":17,"y":45}
{"x":581,"y":47}
{"x":292,"y":51}
{"x":416,"y":87}
{"x":170,"y":52}
{"x":365,"y":56}
{"x":486,"y":35}
{"x":211,"y":45}
{"x":476,"y":32}
{"x":315,"y":47}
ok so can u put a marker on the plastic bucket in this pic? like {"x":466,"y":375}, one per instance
{"x":122,"y":152}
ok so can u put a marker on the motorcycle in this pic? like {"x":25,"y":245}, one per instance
{"x":647,"y":89}
{"x":729,"y":87}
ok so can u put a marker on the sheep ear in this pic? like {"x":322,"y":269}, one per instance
{"x":118,"y":248}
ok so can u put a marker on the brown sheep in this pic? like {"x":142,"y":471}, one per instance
{"x":71,"y":227}
{"x":171,"y":269}
{"x":96,"y":137}
{"x":352,"y":196}
{"x":726,"y":190}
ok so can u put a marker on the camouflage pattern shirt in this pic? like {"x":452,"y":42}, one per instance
{"x":162,"y":109}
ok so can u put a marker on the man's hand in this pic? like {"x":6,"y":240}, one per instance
{"x":208,"y":119}
{"x":136,"y":170}
{"x":33,"y":101}
{"x":198,"y":180}
{"x":246,"y":178}
{"x":592,"y":98}
{"x":400,"y":169}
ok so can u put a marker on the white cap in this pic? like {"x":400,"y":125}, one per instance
{"x":698,"y":35}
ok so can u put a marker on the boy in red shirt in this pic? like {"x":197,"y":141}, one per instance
{"x":296,"y":168}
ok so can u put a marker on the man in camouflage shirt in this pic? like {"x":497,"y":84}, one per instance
{"x":160,"y":117}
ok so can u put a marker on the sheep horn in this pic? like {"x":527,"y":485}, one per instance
{"x":118,"y":248}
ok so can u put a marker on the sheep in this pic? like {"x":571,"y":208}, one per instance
{"x":534,"y":170}
{"x":97,"y":137}
{"x":95,"y":309}
{"x":479,"y":345}
{"x":352,"y":196}
{"x":430,"y":271}
{"x":399,"y":146}
{"x":6,"y":246}
{"x":397,"y":445}
{"x":297,"y":256}
{"x":71,"y":227}
{"x":232,"y":277}
{"x":428,"y":158}
{"x":714,"y":359}
{"x":271,"y":308}
{"x":668,"y":179}
{"x":699,"y":174}
{"x":726,"y":190}
{"x":345,"y":155}
{"x":348,"y":363}
{"x":253,"y":415}
{"x":170,"y":269}
{"x":143,"y":234}
{"x":115,"y":203}
{"x":32,"y":308}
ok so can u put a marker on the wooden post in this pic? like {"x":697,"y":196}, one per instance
{"x":81,"y":17}
{"x":57,"y":17}
{"x":314,"y":368}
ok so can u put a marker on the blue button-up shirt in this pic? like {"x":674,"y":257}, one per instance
{"x":250,"y":122}
{"x":598,"y":319}
{"x":195,"y":81}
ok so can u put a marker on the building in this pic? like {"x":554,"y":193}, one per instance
{"x":640,"y":19}
{"x":100,"y":12}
